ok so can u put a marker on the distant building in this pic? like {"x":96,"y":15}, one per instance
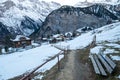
{"x":68,"y":35}
{"x":53,"y":40}
{"x":57,"y":38}
{"x":77,"y":32}
{"x":21,"y":41}
{"x":44,"y":39}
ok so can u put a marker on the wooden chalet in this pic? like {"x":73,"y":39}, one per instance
{"x":68,"y":35}
{"x":21,"y":41}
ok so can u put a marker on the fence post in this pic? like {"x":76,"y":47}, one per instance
{"x":58,"y":63}
{"x":29,"y":78}
{"x":64,"y":54}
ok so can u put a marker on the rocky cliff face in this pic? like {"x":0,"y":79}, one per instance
{"x":4,"y":33}
{"x":115,"y":9}
{"x":28,"y":25}
{"x":24,"y":16}
{"x":112,"y":6}
{"x":68,"y":18}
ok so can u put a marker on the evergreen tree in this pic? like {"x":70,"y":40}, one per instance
{"x":8,"y":42}
{"x":58,"y":31}
{"x":6,"y":48}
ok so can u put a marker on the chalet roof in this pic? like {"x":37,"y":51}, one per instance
{"x":19,"y":36}
{"x":44,"y":38}
{"x":68,"y":33}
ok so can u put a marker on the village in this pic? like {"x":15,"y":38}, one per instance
{"x":21,"y":42}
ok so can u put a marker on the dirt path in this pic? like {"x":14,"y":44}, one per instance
{"x":68,"y":71}
{"x":74,"y":69}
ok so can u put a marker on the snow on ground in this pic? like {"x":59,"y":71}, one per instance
{"x":113,"y":45}
{"x":35,"y":44}
{"x":110,"y":33}
{"x":79,"y":42}
{"x":107,"y":51}
{"x":47,"y":67}
{"x":96,"y":50}
{"x":15,"y":64}
{"x":117,"y":58}
{"x":119,"y":76}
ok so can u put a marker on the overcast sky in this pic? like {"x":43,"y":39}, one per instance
{"x":70,"y":2}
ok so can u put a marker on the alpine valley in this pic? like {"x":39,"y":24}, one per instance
{"x":43,"y":40}
{"x":37,"y":18}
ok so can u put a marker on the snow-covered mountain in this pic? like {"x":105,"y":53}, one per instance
{"x":25,"y":16}
{"x":112,"y":6}
{"x":68,"y":19}
{"x":89,"y":3}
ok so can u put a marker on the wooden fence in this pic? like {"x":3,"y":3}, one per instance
{"x":62,"y":52}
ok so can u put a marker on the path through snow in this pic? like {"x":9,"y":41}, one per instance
{"x":74,"y":69}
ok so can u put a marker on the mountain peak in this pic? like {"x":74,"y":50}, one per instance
{"x":89,"y":3}
{"x":13,"y":14}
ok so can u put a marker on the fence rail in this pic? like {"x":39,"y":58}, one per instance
{"x":28,"y":76}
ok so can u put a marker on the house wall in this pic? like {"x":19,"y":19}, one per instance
{"x":23,"y":43}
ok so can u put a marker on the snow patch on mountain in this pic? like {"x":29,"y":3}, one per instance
{"x":89,"y":3}
{"x":36,"y":10}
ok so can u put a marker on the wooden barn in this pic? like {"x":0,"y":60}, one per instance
{"x":21,"y":41}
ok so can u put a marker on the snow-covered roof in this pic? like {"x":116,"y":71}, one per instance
{"x":59,"y":38}
{"x":35,"y":44}
{"x":20,"y":36}
{"x":79,"y":30}
{"x":68,"y":33}
{"x":44,"y":38}
{"x":57,"y":35}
